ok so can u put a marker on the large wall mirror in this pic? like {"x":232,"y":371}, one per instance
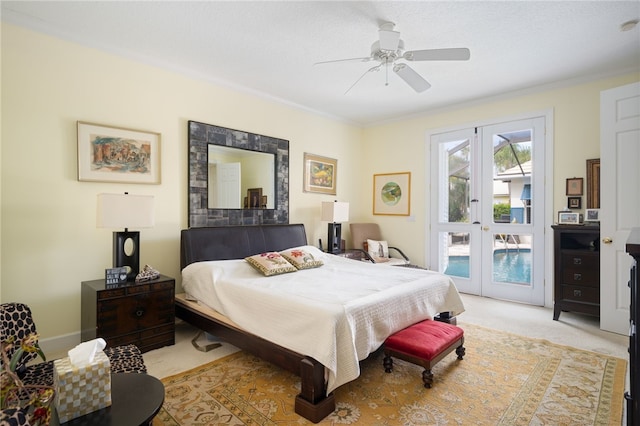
{"x":236,"y":177}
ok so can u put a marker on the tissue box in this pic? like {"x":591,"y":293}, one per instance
{"x":81,"y":390}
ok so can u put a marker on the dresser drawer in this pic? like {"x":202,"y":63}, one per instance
{"x":581,"y":294}
{"x":580,"y":277}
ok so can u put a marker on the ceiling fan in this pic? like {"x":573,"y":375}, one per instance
{"x":389,"y":52}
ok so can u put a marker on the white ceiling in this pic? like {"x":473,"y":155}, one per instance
{"x":270,"y":47}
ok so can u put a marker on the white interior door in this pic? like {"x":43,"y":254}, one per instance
{"x":619,"y":200}
{"x":225,"y":185}
{"x":487,"y":232}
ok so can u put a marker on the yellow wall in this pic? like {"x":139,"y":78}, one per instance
{"x":50,"y":243}
{"x":49,"y":239}
{"x":402,"y":146}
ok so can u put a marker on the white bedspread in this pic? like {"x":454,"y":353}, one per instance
{"x":338,"y":313}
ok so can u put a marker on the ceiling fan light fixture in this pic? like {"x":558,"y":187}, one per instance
{"x":389,"y":39}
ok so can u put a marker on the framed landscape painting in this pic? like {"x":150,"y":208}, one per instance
{"x":391,"y":194}
{"x":320,"y":174}
{"x":116,"y":154}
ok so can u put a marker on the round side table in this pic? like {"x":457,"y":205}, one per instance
{"x":135,"y":400}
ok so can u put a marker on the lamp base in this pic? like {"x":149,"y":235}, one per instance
{"x":126,"y":252}
{"x":334,"y":238}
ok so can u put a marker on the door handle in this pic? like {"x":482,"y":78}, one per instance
{"x":607,"y":240}
{"x":485,"y":228}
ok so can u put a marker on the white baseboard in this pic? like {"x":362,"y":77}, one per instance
{"x":57,"y":347}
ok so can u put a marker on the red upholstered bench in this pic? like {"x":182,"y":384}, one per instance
{"x":424,"y":343}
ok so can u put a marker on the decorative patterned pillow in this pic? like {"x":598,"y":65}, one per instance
{"x":378,"y":250}
{"x":270,"y":263}
{"x":301,"y":259}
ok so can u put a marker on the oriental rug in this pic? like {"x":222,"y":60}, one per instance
{"x":504,"y":379}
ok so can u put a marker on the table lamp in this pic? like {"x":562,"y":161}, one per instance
{"x":126,"y":211}
{"x":334,"y":213}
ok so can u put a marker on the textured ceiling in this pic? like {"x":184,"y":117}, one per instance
{"x":270,"y":47}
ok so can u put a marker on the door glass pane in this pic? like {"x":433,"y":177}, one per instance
{"x":455,"y":258}
{"x":456,"y":156}
{"x":512,"y":258}
{"x":512,"y":166}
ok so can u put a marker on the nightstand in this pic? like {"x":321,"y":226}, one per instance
{"x":355,"y":254}
{"x":138,"y":313}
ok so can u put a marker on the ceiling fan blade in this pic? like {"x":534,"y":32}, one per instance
{"x":366,"y":59}
{"x":411,"y":77}
{"x":389,"y":39}
{"x":376,"y":68}
{"x":454,"y":54}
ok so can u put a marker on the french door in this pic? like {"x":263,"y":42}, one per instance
{"x":487,"y":209}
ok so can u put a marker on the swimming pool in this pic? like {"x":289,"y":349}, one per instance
{"x":508,"y":266}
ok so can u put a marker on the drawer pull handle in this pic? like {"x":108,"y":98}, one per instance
{"x":140,"y":312}
{"x":577,"y":293}
{"x":577,"y":277}
{"x":577,"y":261}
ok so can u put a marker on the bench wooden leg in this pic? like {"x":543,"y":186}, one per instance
{"x":388,"y":364}
{"x":427,"y":378}
{"x":460,"y":351}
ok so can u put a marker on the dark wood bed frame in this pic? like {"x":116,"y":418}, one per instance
{"x":237,"y":242}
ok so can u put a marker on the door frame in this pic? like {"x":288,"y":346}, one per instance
{"x":548,"y":115}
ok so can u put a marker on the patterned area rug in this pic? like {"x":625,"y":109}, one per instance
{"x":504,"y":379}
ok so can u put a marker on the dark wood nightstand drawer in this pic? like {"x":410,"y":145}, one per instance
{"x":142,"y":314}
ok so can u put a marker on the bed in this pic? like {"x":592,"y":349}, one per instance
{"x":317,"y":323}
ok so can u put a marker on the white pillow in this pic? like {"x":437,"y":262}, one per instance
{"x":378,"y":250}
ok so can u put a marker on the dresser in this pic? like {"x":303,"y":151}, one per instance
{"x":576,"y":283}
{"x":142,"y":314}
{"x":633,"y":395}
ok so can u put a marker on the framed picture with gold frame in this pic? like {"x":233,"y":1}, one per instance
{"x":320,"y":174}
{"x":392,"y":194}
{"x":593,"y":183}
{"x":574,"y":186}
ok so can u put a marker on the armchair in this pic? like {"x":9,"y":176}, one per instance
{"x":367,"y":236}
{"x":16,"y":321}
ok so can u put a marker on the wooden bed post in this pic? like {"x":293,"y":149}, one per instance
{"x":312,"y":403}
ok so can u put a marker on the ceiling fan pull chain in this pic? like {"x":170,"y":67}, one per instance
{"x":386,"y":75}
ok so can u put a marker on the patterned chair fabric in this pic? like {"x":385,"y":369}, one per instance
{"x":13,"y":417}
{"x":16,"y":320}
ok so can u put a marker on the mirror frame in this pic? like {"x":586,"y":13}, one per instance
{"x":202,"y":135}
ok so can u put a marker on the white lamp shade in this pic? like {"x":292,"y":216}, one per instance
{"x":125,"y":211}
{"x":335,"y":211}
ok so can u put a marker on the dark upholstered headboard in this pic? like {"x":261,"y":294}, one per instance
{"x":237,"y":242}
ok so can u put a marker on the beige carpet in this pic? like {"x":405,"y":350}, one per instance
{"x":504,"y":379}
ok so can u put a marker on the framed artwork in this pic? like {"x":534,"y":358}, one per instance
{"x":254,"y":198}
{"x":574,"y":186}
{"x":392,"y":194}
{"x":568,"y":218}
{"x":574,"y":202}
{"x":116,"y":154}
{"x":320,"y":174}
{"x":592,"y":215}
{"x":593,"y":183}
